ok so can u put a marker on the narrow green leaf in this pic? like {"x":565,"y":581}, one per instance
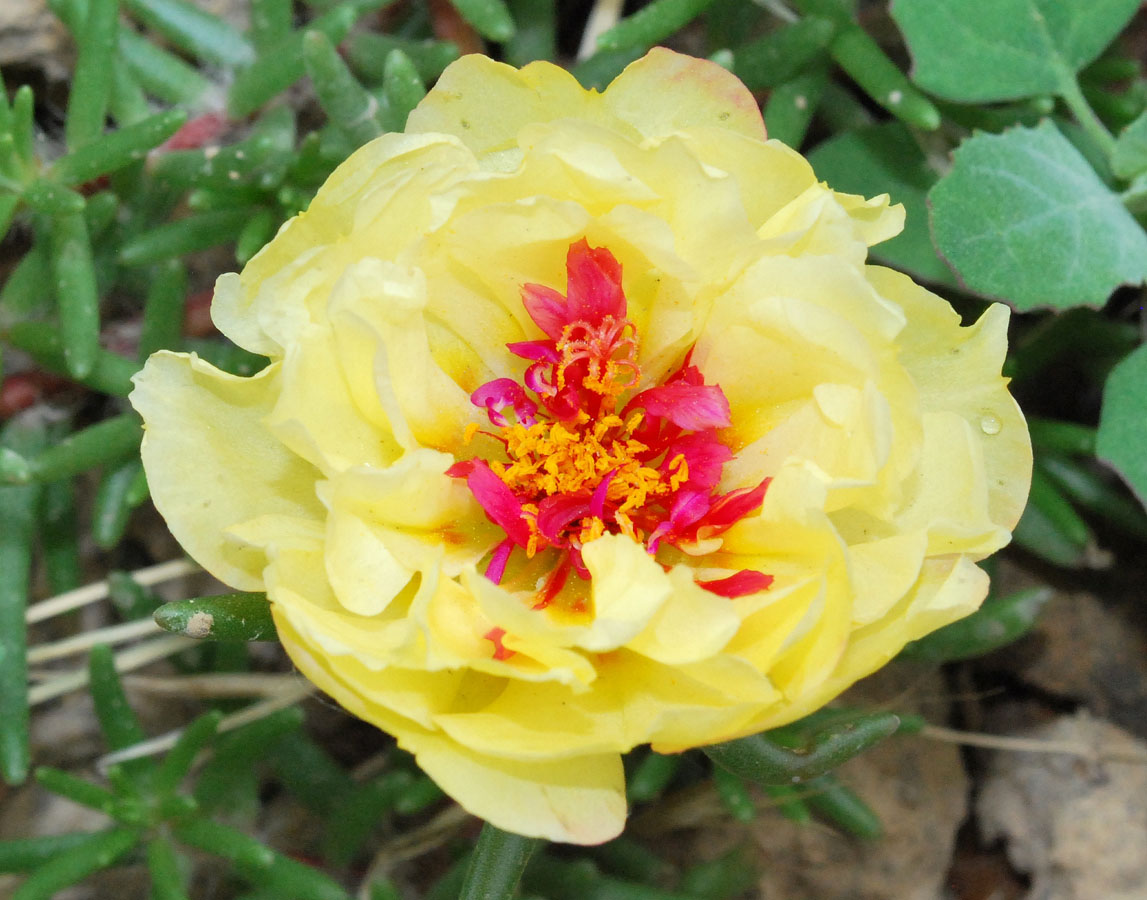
{"x":105,"y":442}
{"x":535,"y":36}
{"x":999,"y":622}
{"x":1086,"y":486}
{"x":270,"y":22}
{"x":760,"y":759}
{"x":77,"y":863}
{"x":112,"y":509}
{"x":75,"y":789}
{"x":421,"y":794}
{"x":9,"y":203}
{"x":226,"y":617}
{"x":782,"y":54}
{"x":59,"y":536}
{"x":111,"y":373}
{"x":345,"y":101}
{"x":100,"y":214}
{"x":604,"y":66}
{"x":312,"y":775}
{"x":281,"y":66}
{"x":24,"y":125}
{"x":163,"y":309}
{"x":652,"y":776}
{"x":723,"y":878}
{"x":651,"y":24}
{"x":195,"y":30}
{"x":177,"y":763}
{"x":128,"y":104}
{"x":881,"y":159}
{"x":163,"y":867}
{"x":118,"y":721}
{"x":26,"y":293}
{"x":52,"y":199}
{"x":259,"y":863}
{"x":835,"y":802}
{"x":360,"y":814}
{"x":735,"y":796}
{"x":1023,"y":217}
{"x":490,"y":18}
{"x":183,"y":236}
{"x":117,"y":148}
{"x":860,"y":56}
{"x":1062,"y":437}
{"x":260,"y":228}
{"x":160,"y":73}
{"x":790,"y":107}
{"x":1122,"y":431}
{"x":92,"y":82}
{"x":1050,"y":527}
{"x":367,"y":53}
{"x":789,"y":803}
{"x":77,"y":296}
{"x":983,"y":51}
{"x":28,"y":854}
{"x":497,"y":864}
{"x":402,"y":88}
{"x":18,"y":507}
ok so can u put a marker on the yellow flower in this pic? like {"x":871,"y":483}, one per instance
{"x":587,"y":425}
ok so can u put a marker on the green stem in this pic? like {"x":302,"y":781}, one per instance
{"x":497,"y":864}
{"x":1073,"y":96}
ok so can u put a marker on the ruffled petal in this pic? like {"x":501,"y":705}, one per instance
{"x":212,"y":463}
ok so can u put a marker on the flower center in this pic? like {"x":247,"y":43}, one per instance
{"x":575,"y":462}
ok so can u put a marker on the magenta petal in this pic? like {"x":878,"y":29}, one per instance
{"x":499,"y":502}
{"x":741,"y":584}
{"x":694,"y":407}
{"x":496,"y":395}
{"x":593,"y":283}
{"x":541,"y":351}
{"x":704,"y":455}
{"x":730,"y":508}
{"x":547,"y":308}
{"x":497,"y":567}
{"x":597,"y":502}
{"x":557,"y":511}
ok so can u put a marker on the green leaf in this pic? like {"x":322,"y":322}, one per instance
{"x":652,"y":23}
{"x":92,"y":85}
{"x":490,"y":18}
{"x":1000,"y":621}
{"x":978,"y":51}
{"x":881,"y":159}
{"x":1130,"y":155}
{"x":1023,"y":217}
{"x":1123,"y":422}
{"x":227,"y":617}
{"x":76,"y":863}
{"x":195,"y":30}
{"x":497,"y":865}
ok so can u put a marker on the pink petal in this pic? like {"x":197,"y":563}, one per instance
{"x":541,"y":351}
{"x":694,"y":407}
{"x":593,"y":284}
{"x":743,"y":583}
{"x":497,"y":567}
{"x":557,"y":511}
{"x":597,"y":502}
{"x":730,"y":508}
{"x":704,"y":455}
{"x":496,"y":395}
{"x":496,"y":498}
{"x":547,"y":308}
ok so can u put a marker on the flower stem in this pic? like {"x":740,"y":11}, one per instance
{"x":497,"y":864}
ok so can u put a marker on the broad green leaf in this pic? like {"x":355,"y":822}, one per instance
{"x":977,"y":51}
{"x":1130,"y":156}
{"x":885,"y":159}
{"x":1123,"y":421}
{"x":1023,"y":217}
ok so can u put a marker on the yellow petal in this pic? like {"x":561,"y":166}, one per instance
{"x":212,"y":463}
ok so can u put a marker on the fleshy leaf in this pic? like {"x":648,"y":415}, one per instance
{"x":1023,"y":217}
